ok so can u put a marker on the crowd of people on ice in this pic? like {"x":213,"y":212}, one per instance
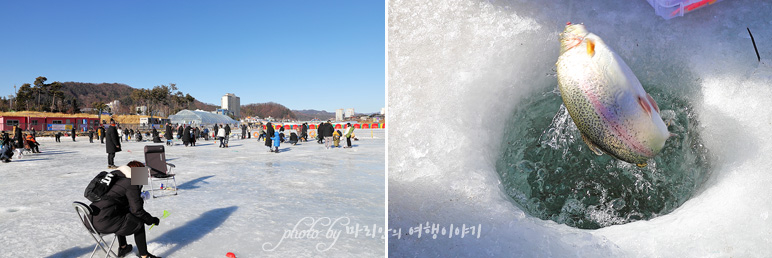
{"x":121,"y":204}
{"x":112,"y":135}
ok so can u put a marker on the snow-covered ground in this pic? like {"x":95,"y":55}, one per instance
{"x":242,"y":199}
{"x":459,"y":68}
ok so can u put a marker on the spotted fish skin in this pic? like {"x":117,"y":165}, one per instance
{"x":606,"y":101}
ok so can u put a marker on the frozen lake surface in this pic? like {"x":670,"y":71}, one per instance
{"x":242,"y":199}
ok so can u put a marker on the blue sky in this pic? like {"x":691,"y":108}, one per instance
{"x":320,"y":55}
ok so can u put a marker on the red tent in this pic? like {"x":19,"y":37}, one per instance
{"x":337,"y":126}
{"x":357,"y":126}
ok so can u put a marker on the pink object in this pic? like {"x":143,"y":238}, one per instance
{"x":230,"y":255}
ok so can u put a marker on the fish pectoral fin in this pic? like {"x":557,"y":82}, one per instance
{"x":590,"y":47}
{"x":594,"y":148}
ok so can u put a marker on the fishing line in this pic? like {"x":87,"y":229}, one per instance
{"x":754,"y":44}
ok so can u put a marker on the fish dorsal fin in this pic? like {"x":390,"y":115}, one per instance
{"x":590,"y":47}
{"x":595,"y":149}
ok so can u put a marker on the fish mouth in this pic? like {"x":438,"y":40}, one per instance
{"x":572,"y":36}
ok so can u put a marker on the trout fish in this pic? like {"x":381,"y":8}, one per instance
{"x":606,"y":101}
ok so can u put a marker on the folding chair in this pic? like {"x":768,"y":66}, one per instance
{"x":155,"y":160}
{"x":84,"y":213}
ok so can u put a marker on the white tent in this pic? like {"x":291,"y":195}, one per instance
{"x":200,"y":117}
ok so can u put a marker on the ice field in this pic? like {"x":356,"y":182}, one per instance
{"x":462,"y":72}
{"x":242,"y":199}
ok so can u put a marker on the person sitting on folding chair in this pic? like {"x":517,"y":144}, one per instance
{"x":121,"y":212}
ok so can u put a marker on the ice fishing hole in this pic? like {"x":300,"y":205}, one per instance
{"x":550,"y":173}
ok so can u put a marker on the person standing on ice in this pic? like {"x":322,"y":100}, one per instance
{"x":193,"y":135}
{"x":168,"y":134}
{"x":122,"y":211}
{"x":180,"y":130}
{"x":113,"y":144}
{"x":214,"y":132}
{"x":221,"y":136}
{"x":304,"y":132}
{"x":260,"y":132}
{"x":186,"y":135}
{"x":227,"y":134}
{"x":349,"y":132}
{"x":281,"y":134}
{"x":19,"y":140}
{"x":276,"y":141}
{"x":268,"y":134}
{"x":102,"y":132}
{"x":327,"y":131}
{"x":319,"y":136}
{"x":73,"y":133}
{"x":90,"y":135}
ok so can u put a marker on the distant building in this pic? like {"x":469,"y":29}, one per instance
{"x":48,"y":122}
{"x":231,"y":103}
{"x":339,"y":114}
{"x":141,"y":110}
{"x":349,"y":112}
{"x":115,"y":105}
{"x":383,"y":111}
{"x":224,"y":112}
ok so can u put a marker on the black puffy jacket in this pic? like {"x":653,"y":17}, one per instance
{"x":113,"y":141}
{"x":121,"y":209}
{"x":169,"y":132}
{"x":328,"y":130}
